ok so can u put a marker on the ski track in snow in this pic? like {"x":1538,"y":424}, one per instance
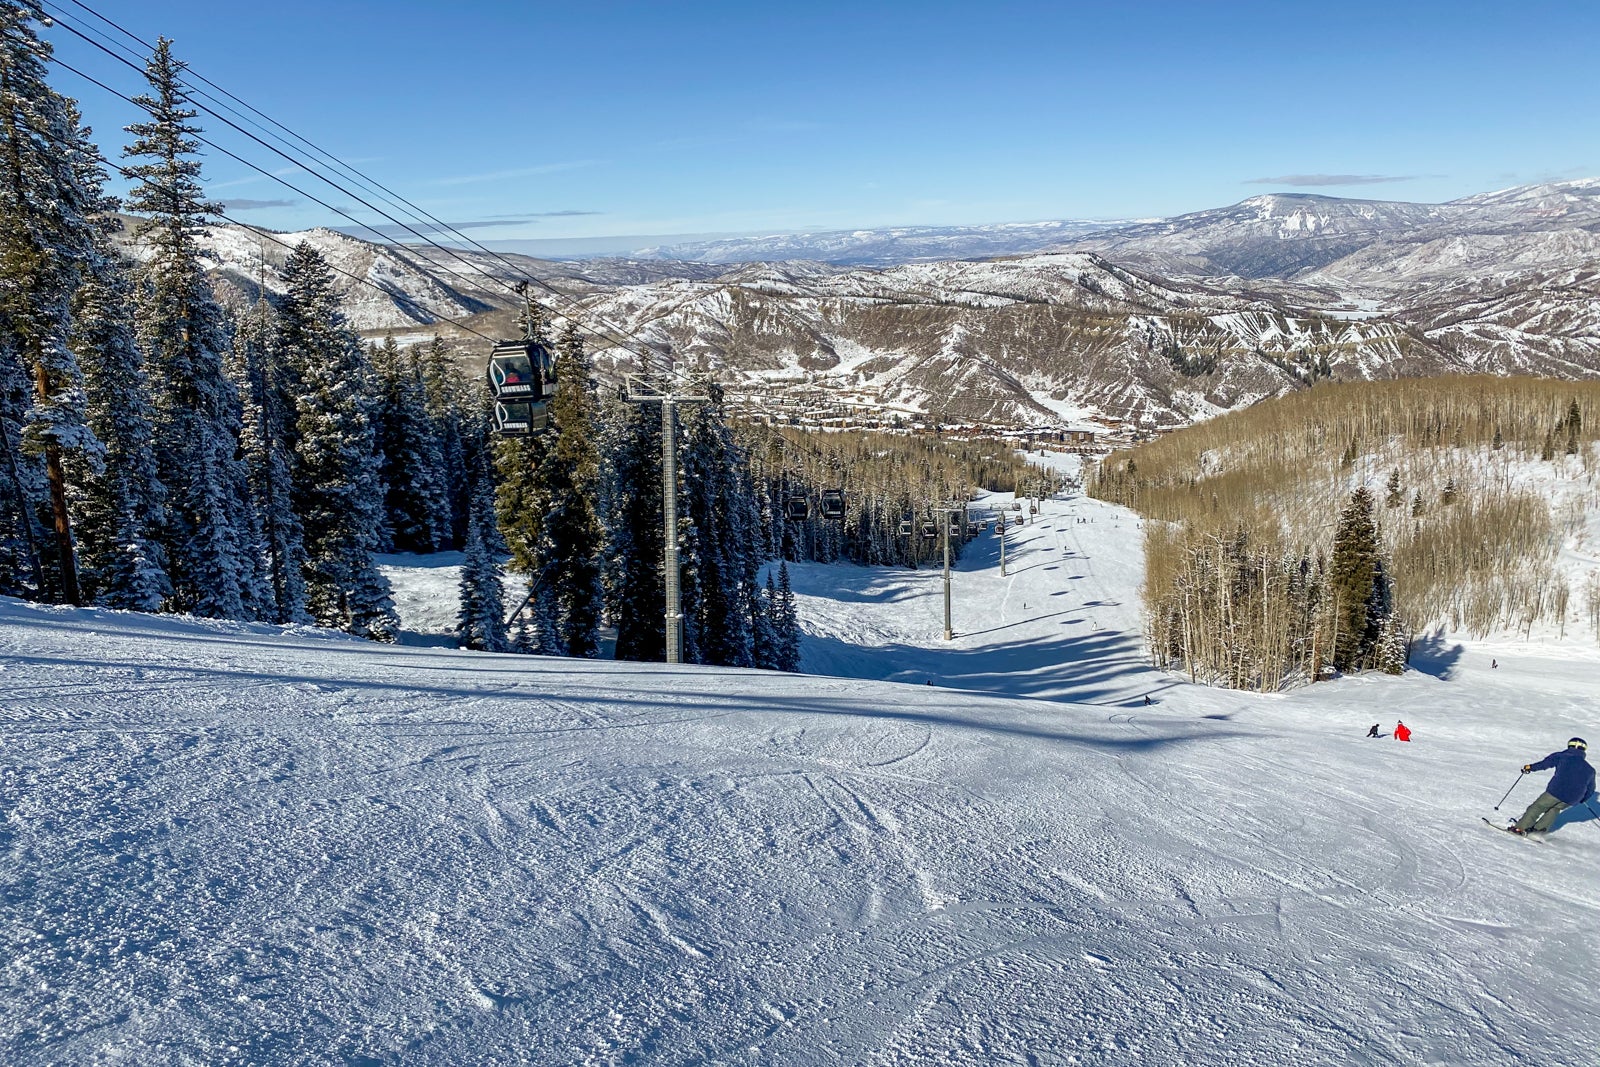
{"x":219,"y":844}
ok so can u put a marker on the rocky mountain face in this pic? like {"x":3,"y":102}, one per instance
{"x":1159,"y":322}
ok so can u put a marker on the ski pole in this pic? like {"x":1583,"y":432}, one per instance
{"x":1508,"y":792}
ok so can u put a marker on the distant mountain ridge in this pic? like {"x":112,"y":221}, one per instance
{"x":1161,"y":322}
{"x":880,"y":247}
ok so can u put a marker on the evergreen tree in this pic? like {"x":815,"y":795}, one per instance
{"x":786,"y":623}
{"x":1448,"y":494}
{"x":1416,"y":504}
{"x":569,"y":573}
{"x":21,"y":486}
{"x":481,"y":623}
{"x":1395,"y":496}
{"x":337,"y":493}
{"x":1547,"y":451}
{"x":1353,"y":576}
{"x":124,"y":502}
{"x":1499,"y":441}
{"x":267,"y":390}
{"x":1393,"y":646}
{"x":197,"y":412}
{"x":1574,"y":418}
{"x":453,"y":408}
{"x":416,"y":501}
{"x":721,"y":541}
{"x":46,"y":237}
{"x":763,"y":632}
{"x":631,"y":499}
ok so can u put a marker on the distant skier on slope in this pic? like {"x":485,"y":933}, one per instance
{"x":1571,"y":784}
{"x":1402,"y":732}
{"x":1374,"y":731}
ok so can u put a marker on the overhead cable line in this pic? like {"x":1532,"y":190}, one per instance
{"x":259,"y":232}
{"x":644,"y":351}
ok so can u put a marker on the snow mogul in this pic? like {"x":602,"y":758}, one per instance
{"x":1571,"y":784}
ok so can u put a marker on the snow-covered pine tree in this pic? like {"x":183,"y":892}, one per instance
{"x":570,"y":570}
{"x":763,"y":632}
{"x":46,"y":236}
{"x":786,"y":623}
{"x":267,"y":394}
{"x":21,"y":485}
{"x":206,"y":537}
{"x":1392,"y":648}
{"x":481,"y":622}
{"x":337,"y":493}
{"x":416,"y":501}
{"x":721,"y":540}
{"x":631,"y":503}
{"x":123,"y":500}
{"x":455,"y":411}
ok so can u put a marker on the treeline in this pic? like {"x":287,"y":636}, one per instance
{"x":885,"y":480}
{"x":1317,"y":531}
{"x":162,"y":454}
{"x":580,"y":509}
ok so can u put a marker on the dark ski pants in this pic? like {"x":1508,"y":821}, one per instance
{"x":1541,"y":813}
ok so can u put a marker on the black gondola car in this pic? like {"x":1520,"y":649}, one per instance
{"x":519,"y":418}
{"x":796,"y":508}
{"x":930,"y":530}
{"x":832,"y":503}
{"x":521,"y":370}
{"x":905,"y":526}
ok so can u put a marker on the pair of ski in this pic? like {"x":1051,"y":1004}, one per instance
{"x":1509,"y":830}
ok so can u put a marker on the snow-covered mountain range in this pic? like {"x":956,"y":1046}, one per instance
{"x":881,"y":247}
{"x":1160,"y":322}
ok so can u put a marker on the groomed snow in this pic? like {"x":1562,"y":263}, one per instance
{"x":226,"y":844}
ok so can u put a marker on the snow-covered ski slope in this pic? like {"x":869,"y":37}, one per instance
{"x":223,"y":844}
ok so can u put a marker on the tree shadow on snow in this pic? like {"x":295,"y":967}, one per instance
{"x":1433,"y":654}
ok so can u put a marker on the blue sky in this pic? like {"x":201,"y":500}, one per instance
{"x":544,"y":121}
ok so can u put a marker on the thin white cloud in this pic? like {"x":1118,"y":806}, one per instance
{"x":521,"y":172}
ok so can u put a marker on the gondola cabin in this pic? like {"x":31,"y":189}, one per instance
{"x":521,"y":370}
{"x":930,"y":531}
{"x":519,"y":418}
{"x":905,"y":526}
{"x":832,"y":504}
{"x":796,"y":509}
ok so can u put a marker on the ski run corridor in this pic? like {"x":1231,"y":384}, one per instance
{"x":231,"y":844}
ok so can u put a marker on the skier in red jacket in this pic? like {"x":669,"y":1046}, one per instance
{"x":1402,"y":732}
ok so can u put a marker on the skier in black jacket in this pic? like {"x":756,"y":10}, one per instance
{"x":1571,"y":784}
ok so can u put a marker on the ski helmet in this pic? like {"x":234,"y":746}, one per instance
{"x":1578,"y":743}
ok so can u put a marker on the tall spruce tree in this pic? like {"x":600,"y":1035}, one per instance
{"x":416,"y":497}
{"x":721,"y":541}
{"x":455,"y":412}
{"x":786,"y":621}
{"x":124,"y":502}
{"x":337,"y":493}
{"x":198,"y":418}
{"x":46,"y":237}
{"x":570,"y":569}
{"x":631,"y":503}
{"x":1354,"y":582}
{"x":267,"y":389}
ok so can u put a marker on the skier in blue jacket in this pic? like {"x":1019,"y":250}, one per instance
{"x":1571,"y":784}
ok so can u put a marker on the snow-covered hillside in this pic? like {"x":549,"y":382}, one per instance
{"x":227,"y":844}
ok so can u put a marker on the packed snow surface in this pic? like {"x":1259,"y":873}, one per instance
{"x":229,"y":844}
